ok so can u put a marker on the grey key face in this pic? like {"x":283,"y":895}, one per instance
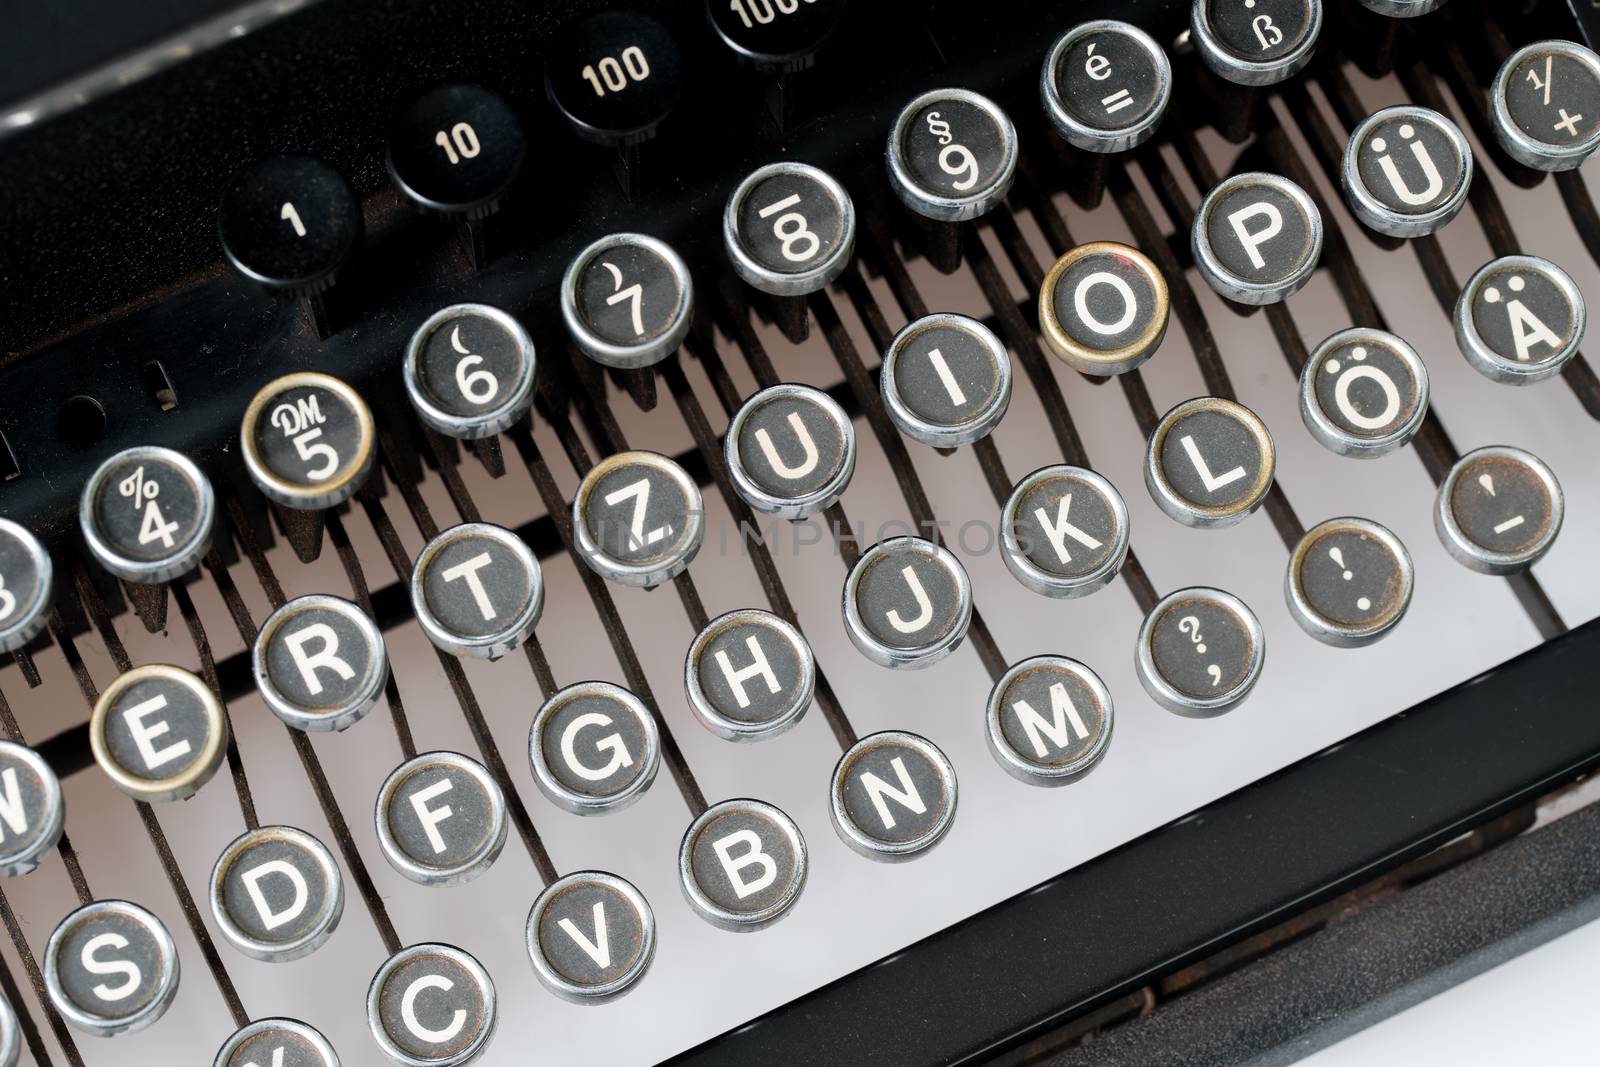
{"x":1106,"y":302}
{"x":1369,"y":386}
{"x":472,"y":363}
{"x":1201,"y":647}
{"x":24,"y":585}
{"x":1067,"y":526}
{"x":907,"y":599}
{"x":790,"y":223}
{"x":160,"y":730}
{"x":476,"y":585}
{"x":1349,"y":582}
{"x":277,"y":1043}
{"x":1501,"y":504}
{"x":33,"y":809}
{"x":1553,"y":96}
{"x":1261,"y":31}
{"x":1259,"y":233}
{"x":590,"y":934}
{"x":743,"y":863}
{"x":637,"y":513}
{"x":1410,"y":162}
{"x":894,"y":794}
{"x":749,"y":674}
{"x":1109,"y":80}
{"x":308,"y":434}
{"x":1050,"y":718}
{"x":148,"y":509}
{"x":597,"y":742}
{"x":441,"y":819}
{"x":629,"y":295}
{"x":954,"y":148}
{"x":111,"y":967}
{"x":434,"y":1004}
{"x":1524,"y":314}
{"x":276,"y":893}
{"x":1212,"y":458}
{"x":945,"y":375}
{"x":320,"y":663}
{"x":792,"y":445}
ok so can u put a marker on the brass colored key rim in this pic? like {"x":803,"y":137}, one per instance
{"x":338,"y":486}
{"x":1097,"y":361}
{"x":178,"y":786}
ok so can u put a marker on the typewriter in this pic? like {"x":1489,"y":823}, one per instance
{"x":578,"y":534}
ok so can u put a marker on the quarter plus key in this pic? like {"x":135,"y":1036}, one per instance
{"x":1546,"y":104}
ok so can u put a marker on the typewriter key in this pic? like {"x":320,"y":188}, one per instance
{"x":25,"y":585}
{"x":638,"y":518}
{"x":594,"y":748}
{"x":111,"y":968}
{"x":10,"y":1036}
{"x":1105,"y":86}
{"x":477,"y":590}
{"x":749,"y":675}
{"x":1209,"y":463}
{"x":146,"y":514}
{"x":1049,"y":720}
{"x":159,"y":733}
{"x":907,"y":603}
{"x":614,"y":76}
{"x":1546,"y":101}
{"x":893,"y":796}
{"x":789,"y":229}
{"x":952,"y":155}
{"x":289,"y":223}
{"x":1257,"y":238}
{"x":32,"y":809}
{"x":1402,"y":9}
{"x":1499,"y":510}
{"x":1103,"y":308}
{"x":790,"y":451}
{"x":456,"y":150}
{"x":1256,"y":42}
{"x":320,"y":663}
{"x":441,"y":819}
{"x":307,"y":440}
{"x":1406,"y":171}
{"x":780,"y":40}
{"x":591,"y":936}
{"x":469,"y":371}
{"x":276,"y":894}
{"x":742,"y":864}
{"x":1520,"y":319}
{"x":1363,"y":392}
{"x":1064,"y":531}
{"x":431,"y":1006}
{"x":276,"y":1043}
{"x":1200,"y":652}
{"x":946,"y":380}
{"x":1349,"y":582}
{"x":627,"y":300}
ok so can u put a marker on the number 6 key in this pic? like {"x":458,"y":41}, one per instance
{"x":469,"y":371}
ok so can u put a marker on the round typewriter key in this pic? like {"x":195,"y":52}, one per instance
{"x":1349,"y":582}
{"x":614,"y":76}
{"x":10,"y":1036}
{"x":307,"y":440}
{"x":289,"y":223}
{"x":159,"y":733}
{"x":1256,"y":42}
{"x":1210,"y":462}
{"x":1520,"y":319}
{"x":146,"y":514}
{"x":1049,"y":720}
{"x":1499,"y":510}
{"x":907,"y":603}
{"x":638,"y":518}
{"x":749,"y":675}
{"x":893,"y":796}
{"x":1406,"y":171}
{"x":627,"y":300}
{"x":1105,"y":85}
{"x":469,"y":370}
{"x":946,"y":380}
{"x":789,"y":229}
{"x":25,"y":585}
{"x":742,"y":864}
{"x":1546,"y":101}
{"x":952,"y":155}
{"x":276,"y":894}
{"x":441,"y":819}
{"x":276,"y":1043}
{"x":320,"y":663}
{"x":1402,"y":9}
{"x":111,"y":968}
{"x":431,"y":1006}
{"x":456,"y":150}
{"x":790,"y":451}
{"x":591,"y":936}
{"x":776,"y":37}
{"x":1064,"y":531}
{"x":1103,"y":308}
{"x":32,"y":811}
{"x":1363,"y":392}
{"x":477,"y":590}
{"x":1257,"y":238}
{"x":1200,"y":652}
{"x":594,"y":748}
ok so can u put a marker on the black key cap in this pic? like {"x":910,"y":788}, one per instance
{"x":614,"y":76}
{"x":456,"y":150}
{"x":776,"y":36}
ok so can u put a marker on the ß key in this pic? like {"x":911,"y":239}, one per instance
{"x":34,"y":810}
{"x":591,"y":937}
{"x":594,"y":748}
{"x":638,"y":519}
{"x":1105,"y":85}
{"x":441,"y":819}
{"x":469,"y":371}
{"x":1349,"y":582}
{"x":456,"y":150}
{"x":742,"y":865}
{"x":431,"y":1006}
{"x":907,"y":603}
{"x":1200,"y":652}
{"x":952,"y":155}
{"x":276,"y":1043}
{"x":1257,"y":238}
{"x":111,"y":968}
{"x":895,"y":768}
{"x":789,"y":229}
{"x":146,"y":514}
{"x":159,"y":733}
{"x":1103,"y":308}
{"x":1048,"y":720}
{"x":26,"y":585}
{"x":1209,"y":463}
{"x":1520,"y":319}
{"x":1363,"y":392}
{"x":1064,"y":531}
{"x":790,"y":451}
{"x":1499,"y":510}
{"x":946,"y":380}
{"x":1256,"y":42}
{"x":627,"y":300}
{"x":320,"y":663}
{"x":307,"y":440}
{"x":276,"y":894}
{"x":1546,"y":104}
{"x":477,"y":590}
{"x":749,"y":675}
{"x":1406,"y":171}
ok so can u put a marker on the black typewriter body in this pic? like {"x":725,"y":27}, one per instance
{"x":1245,"y":875}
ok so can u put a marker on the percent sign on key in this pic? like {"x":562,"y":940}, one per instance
{"x":137,"y":489}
